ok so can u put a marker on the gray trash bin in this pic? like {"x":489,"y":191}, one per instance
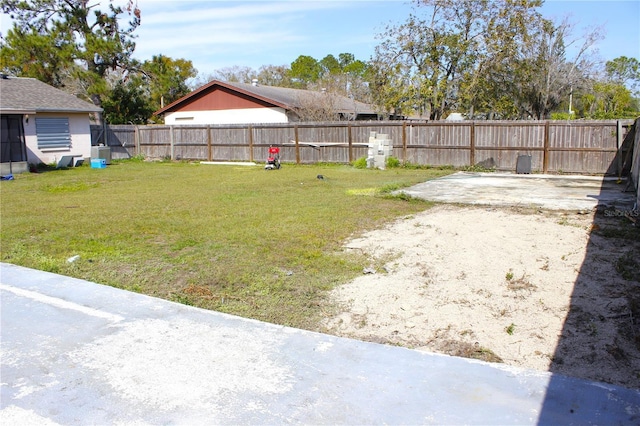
{"x":523,"y":165}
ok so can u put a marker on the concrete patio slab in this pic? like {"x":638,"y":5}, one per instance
{"x":76,"y":352}
{"x":554,"y":192}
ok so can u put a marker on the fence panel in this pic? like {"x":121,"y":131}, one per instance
{"x":501,"y":143}
{"x":438,"y":144}
{"x":189,"y":143}
{"x":230,"y":143}
{"x":635,"y":162}
{"x":582,"y":147}
{"x":315,"y":143}
{"x":120,"y":138}
{"x":282,"y":136}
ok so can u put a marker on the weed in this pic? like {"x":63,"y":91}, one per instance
{"x":509,"y":275}
{"x":628,"y":266}
{"x":139,"y":158}
{"x":392,"y":163}
{"x":478,"y":168}
{"x":564,"y":221}
{"x":469,"y":350}
{"x":521,"y":283}
{"x":625,"y":232}
{"x":360,"y":163}
{"x":545,"y":266}
{"x":404,"y":197}
{"x":181,"y":298}
{"x":388,"y":188}
{"x":510,"y":329}
{"x":390,"y":191}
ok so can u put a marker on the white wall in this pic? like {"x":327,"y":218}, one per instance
{"x":230,"y":116}
{"x":79,"y":127}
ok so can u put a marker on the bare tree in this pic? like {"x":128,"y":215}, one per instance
{"x":317,"y":106}
{"x":545,"y":76}
{"x":492,"y":56}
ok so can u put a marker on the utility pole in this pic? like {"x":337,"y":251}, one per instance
{"x":570,"y":101}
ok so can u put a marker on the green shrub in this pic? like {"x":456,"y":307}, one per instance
{"x":360,"y":163}
{"x":392,"y":163}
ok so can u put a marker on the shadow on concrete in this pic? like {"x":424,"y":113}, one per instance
{"x":600,"y":339}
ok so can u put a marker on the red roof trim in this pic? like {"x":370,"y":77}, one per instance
{"x":209,"y":87}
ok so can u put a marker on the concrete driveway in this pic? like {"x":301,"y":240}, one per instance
{"x":76,"y":353}
{"x":554,"y":192}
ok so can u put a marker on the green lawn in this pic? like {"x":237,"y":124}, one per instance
{"x":260,"y":244}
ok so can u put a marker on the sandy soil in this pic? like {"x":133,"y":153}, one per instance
{"x":528,"y":288}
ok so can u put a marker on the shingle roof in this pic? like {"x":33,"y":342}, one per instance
{"x":278,"y":96}
{"x":292,"y":97}
{"x":31,"y":95}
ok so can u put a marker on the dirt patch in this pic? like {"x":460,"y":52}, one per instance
{"x":533,"y":289}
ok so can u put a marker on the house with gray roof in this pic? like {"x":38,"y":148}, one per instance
{"x":41,"y":124}
{"x":219,"y":102}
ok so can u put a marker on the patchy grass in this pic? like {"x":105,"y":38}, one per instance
{"x":620,"y":229}
{"x":628,"y":266}
{"x":241,"y":240}
{"x":468,"y":350}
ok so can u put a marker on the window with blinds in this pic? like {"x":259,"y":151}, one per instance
{"x":53,"y":133}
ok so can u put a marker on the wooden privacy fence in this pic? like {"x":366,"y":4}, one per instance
{"x":554,"y":146}
{"x":635,"y":163}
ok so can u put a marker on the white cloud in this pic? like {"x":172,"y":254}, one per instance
{"x":239,"y":31}
{"x":175,"y":13}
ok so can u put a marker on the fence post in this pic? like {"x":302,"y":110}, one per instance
{"x":350,"y":142}
{"x":545,"y":155}
{"x":295,"y":131}
{"x":472,"y":144}
{"x":209,"y":149}
{"x":172,"y":150}
{"x":250,"y":130}
{"x":404,"y":142}
{"x":136,"y":139}
{"x":619,"y":146}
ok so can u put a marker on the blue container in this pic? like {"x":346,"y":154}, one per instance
{"x":98,"y":163}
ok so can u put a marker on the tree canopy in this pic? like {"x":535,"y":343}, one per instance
{"x":71,"y":40}
{"x":166,"y":79}
{"x":146,"y":88}
{"x":624,"y":71}
{"x":84,"y":48}
{"x":487,"y":58}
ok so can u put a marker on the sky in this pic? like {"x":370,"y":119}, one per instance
{"x":220,"y":34}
